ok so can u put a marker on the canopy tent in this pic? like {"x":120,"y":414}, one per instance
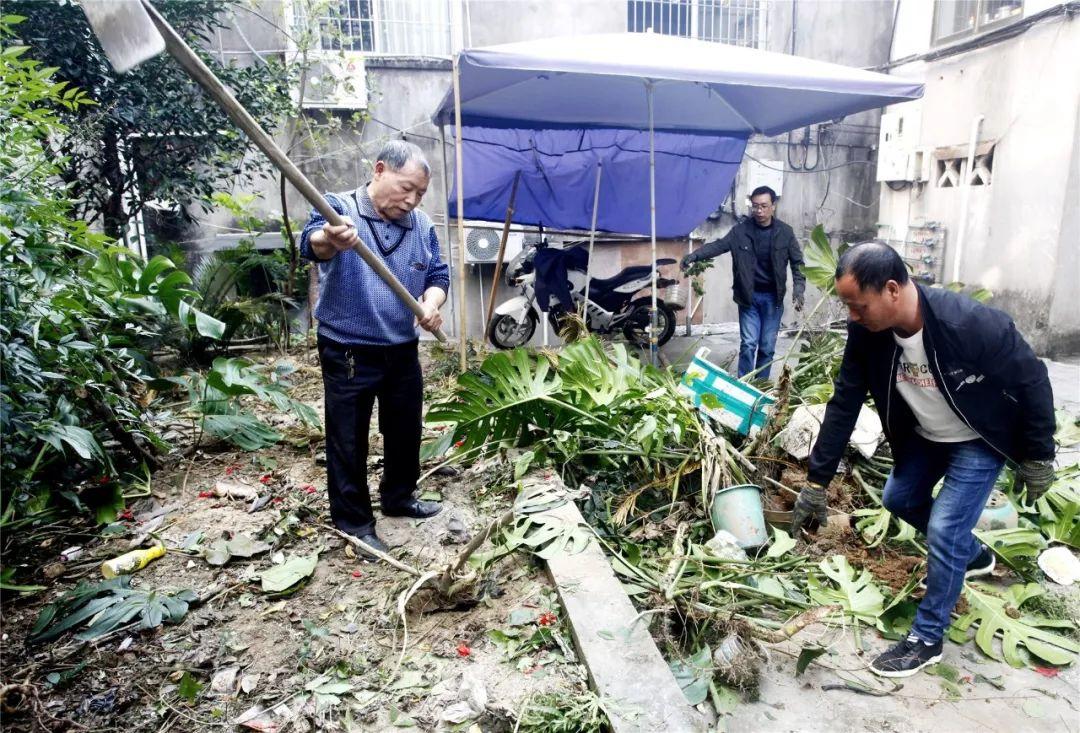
{"x":545,"y":108}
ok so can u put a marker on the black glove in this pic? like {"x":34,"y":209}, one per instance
{"x":809,"y":509}
{"x":688,"y":260}
{"x":1034,"y":477}
{"x":798,"y":302}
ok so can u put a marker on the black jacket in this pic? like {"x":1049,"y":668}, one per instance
{"x":989,"y":375}
{"x":738,"y":241}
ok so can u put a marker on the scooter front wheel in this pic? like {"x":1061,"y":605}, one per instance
{"x":504,"y":332}
{"x":636,"y":328}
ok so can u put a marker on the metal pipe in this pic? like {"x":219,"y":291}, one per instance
{"x":592,"y":240}
{"x":459,"y":167}
{"x":446,"y":223}
{"x":652,"y":222}
{"x":965,"y":195}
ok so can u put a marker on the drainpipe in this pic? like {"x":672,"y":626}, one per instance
{"x":965,"y":195}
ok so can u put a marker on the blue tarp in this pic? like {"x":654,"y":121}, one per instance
{"x":558,"y":176}
{"x":601,"y":83}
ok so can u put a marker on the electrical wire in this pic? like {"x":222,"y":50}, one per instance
{"x":819,"y":170}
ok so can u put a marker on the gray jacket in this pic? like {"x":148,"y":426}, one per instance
{"x":738,"y":241}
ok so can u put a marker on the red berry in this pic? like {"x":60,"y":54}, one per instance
{"x":463,"y":650}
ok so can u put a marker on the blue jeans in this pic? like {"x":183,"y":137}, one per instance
{"x":970,"y":470}
{"x":758,"y":324}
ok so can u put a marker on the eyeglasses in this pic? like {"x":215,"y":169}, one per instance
{"x":760,"y":207}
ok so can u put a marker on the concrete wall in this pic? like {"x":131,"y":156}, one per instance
{"x":1021,"y":235}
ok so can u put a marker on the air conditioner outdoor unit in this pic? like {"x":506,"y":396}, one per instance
{"x":482,"y":243}
{"x":336,"y":80}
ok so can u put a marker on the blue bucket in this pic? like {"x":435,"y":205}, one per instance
{"x":738,"y":510}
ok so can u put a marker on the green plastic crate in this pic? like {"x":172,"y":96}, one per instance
{"x":731,"y":402}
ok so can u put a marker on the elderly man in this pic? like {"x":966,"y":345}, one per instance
{"x":368,"y":340}
{"x":762,"y":248}
{"x":959,"y":392}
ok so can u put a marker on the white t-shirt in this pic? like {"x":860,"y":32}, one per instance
{"x":916,"y":384}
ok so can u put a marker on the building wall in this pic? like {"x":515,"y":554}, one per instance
{"x":1020,"y":235}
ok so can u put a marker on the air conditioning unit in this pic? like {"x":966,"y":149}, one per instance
{"x":897,"y":146}
{"x":336,"y":80}
{"x":482,"y":243}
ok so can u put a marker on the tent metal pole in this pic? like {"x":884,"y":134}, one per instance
{"x":459,"y":167}
{"x":653,"y":354}
{"x":446,"y":224}
{"x":592,"y":240}
{"x":689,"y":293}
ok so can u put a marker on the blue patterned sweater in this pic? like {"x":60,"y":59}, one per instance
{"x":355,"y":306}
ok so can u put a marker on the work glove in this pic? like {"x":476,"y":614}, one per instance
{"x":1034,"y":478}
{"x":798,"y":302}
{"x":810,"y":510}
{"x":688,"y":260}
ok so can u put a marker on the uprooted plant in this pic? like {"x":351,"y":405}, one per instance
{"x":600,"y":417}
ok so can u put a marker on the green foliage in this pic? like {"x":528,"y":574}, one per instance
{"x":80,"y":314}
{"x":564,"y":712}
{"x":999,"y":614}
{"x":1018,"y":547}
{"x":853,"y":590}
{"x":253,"y":292}
{"x":694,"y":675}
{"x":179,"y":142}
{"x":820,"y":261}
{"x":595,"y":408}
{"x":104,"y":607}
{"x":215,"y":400}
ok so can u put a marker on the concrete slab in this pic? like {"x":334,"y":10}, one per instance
{"x":625,"y":666}
{"x":1016,"y":700}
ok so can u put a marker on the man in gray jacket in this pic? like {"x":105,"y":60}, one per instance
{"x":762,"y":248}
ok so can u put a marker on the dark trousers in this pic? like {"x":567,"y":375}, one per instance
{"x":353,"y":378}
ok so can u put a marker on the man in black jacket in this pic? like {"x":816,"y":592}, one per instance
{"x":761,"y":249}
{"x":959,"y":392}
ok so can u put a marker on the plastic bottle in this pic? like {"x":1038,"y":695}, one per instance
{"x":131,"y":562}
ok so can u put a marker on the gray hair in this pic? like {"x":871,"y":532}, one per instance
{"x":397,"y":153}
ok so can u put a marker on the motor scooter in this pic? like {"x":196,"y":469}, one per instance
{"x":612,"y":306}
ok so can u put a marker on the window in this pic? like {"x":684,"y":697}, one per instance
{"x":955,"y":19}
{"x":382,"y":27}
{"x":735,"y":22}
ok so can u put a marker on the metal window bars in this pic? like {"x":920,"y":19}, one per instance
{"x":734,"y":22}
{"x":380,"y":27}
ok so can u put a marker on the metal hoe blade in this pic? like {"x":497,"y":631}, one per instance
{"x":125,"y":31}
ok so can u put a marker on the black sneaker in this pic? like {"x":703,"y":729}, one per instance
{"x":905,"y":658}
{"x":983,"y":564}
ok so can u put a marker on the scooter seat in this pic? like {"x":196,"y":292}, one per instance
{"x":630,"y":273}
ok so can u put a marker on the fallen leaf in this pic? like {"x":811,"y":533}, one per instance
{"x":1047,"y":671}
{"x":284,"y":576}
{"x":189,"y":687}
{"x":1034,"y":709}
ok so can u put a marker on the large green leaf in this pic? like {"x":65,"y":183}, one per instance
{"x":282,"y":577}
{"x":1017,"y":546}
{"x":247,"y":432}
{"x":1063,"y":524}
{"x":820,"y":261}
{"x":998,"y":613}
{"x":512,"y":391}
{"x":694,"y":675}
{"x":105,"y":606}
{"x":853,"y":590}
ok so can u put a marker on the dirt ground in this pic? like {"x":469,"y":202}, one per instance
{"x":259,"y":653}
